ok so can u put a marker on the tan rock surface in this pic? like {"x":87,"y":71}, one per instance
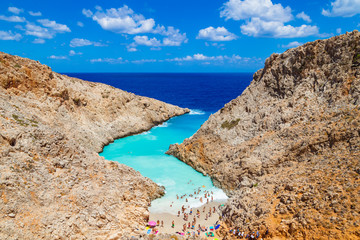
{"x":287,"y":149}
{"x":53,"y":183}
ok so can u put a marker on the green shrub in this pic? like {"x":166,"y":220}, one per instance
{"x":231,"y":124}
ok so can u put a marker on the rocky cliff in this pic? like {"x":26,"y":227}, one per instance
{"x":53,"y":183}
{"x":287,"y":149}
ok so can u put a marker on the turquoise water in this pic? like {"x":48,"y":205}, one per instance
{"x":146,"y":153}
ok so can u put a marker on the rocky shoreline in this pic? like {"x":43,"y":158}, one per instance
{"x":53,"y":183}
{"x":287,"y":150}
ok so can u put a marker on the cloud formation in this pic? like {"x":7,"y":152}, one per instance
{"x":264,"y":9}
{"x":15,"y":10}
{"x":144,"y":40}
{"x":199,"y":57}
{"x":216,"y":34}
{"x":10,"y":36}
{"x":109,"y":60}
{"x":121,"y":20}
{"x":53,"y":25}
{"x":125,"y":21}
{"x":292,"y":44}
{"x":80,"y":42}
{"x":37,"y":31}
{"x":73,"y":53}
{"x":342,"y":8}
{"x":259,"y":28}
{"x":39,"y":41}
{"x":12,"y":18}
{"x":304,"y":17}
{"x":265,"y":19}
{"x":35,"y":14}
{"x":58,"y":57}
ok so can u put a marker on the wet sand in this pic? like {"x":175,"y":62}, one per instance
{"x":167,"y":218}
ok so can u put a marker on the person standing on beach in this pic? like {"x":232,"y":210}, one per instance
{"x":173,"y":224}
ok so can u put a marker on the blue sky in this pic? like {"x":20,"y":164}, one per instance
{"x":166,"y":36}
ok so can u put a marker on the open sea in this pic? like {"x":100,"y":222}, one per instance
{"x":204,"y":94}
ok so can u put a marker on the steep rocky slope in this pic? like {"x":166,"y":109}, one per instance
{"x":287,"y":149}
{"x":53,"y":183}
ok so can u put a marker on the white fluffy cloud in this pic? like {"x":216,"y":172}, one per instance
{"x":144,"y":40}
{"x":141,"y":61}
{"x":216,"y":34}
{"x":121,"y":20}
{"x":15,"y":10}
{"x":80,"y":42}
{"x":80,"y":24}
{"x":37,"y":31}
{"x":73,"y":53}
{"x":292,"y":44}
{"x":39,"y":41}
{"x":10,"y":36}
{"x":58,"y":57}
{"x":259,"y":28}
{"x":304,"y":17}
{"x":125,"y":21}
{"x":53,"y":25}
{"x":343,"y":8}
{"x":48,"y":30}
{"x":265,"y":19}
{"x":35,"y":14}
{"x":132,"y":48}
{"x":264,"y":9}
{"x":109,"y":60}
{"x":199,"y":57}
{"x":12,"y":18}
{"x":88,"y":13}
{"x":173,"y":37}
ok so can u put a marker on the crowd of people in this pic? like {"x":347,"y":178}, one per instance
{"x":249,"y":235}
{"x":192,"y":220}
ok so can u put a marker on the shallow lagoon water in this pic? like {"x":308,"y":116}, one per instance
{"x":146,"y":153}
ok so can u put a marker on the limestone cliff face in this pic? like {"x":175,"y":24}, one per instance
{"x":53,"y":183}
{"x":287,"y":149}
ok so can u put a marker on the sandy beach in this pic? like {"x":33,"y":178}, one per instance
{"x":204,"y":219}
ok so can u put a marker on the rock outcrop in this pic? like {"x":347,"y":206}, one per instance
{"x":53,"y":183}
{"x":287,"y":150}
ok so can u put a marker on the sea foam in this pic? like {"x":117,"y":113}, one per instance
{"x":196,"y":112}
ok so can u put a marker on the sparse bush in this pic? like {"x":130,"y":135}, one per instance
{"x":231,"y":124}
{"x":77,"y":101}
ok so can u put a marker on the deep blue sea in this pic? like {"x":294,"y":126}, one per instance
{"x":203,"y":94}
{"x":206,"y":91}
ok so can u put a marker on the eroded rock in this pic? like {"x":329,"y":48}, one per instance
{"x":287,"y":149}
